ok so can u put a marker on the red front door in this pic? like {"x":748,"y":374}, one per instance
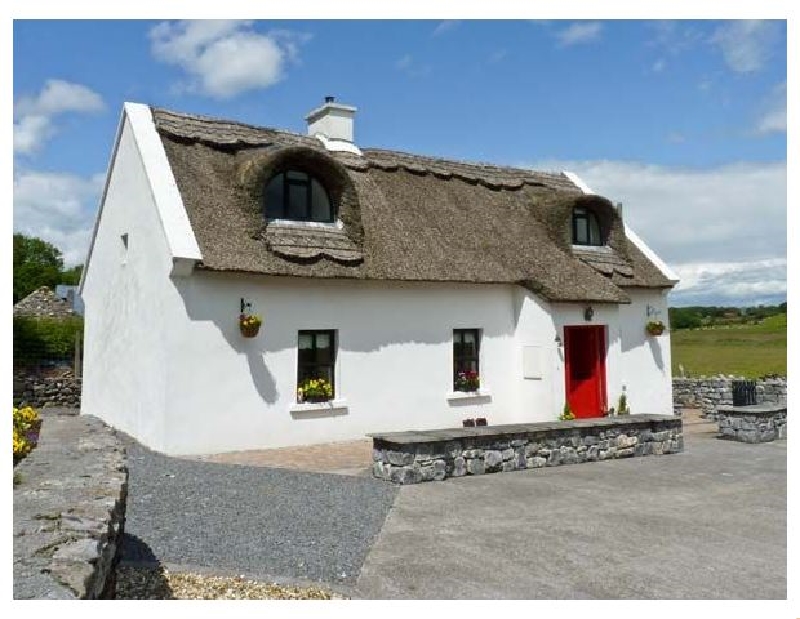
{"x":585,"y":368}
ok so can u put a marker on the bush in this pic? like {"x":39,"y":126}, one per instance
{"x":43,"y":339}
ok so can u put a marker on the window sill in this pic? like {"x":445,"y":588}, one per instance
{"x":469,"y":396}
{"x":334,"y":225}
{"x":600,"y":249}
{"x":320,"y":409}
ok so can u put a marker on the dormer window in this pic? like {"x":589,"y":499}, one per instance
{"x":297,"y":196}
{"x":585,"y":228}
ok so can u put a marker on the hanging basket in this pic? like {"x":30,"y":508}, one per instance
{"x":249,"y":331}
{"x":654,"y":328}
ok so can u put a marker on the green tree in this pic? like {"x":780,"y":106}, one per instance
{"x":72,"y":276}
{"x":36,"y":263}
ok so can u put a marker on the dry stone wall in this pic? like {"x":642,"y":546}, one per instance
{"x":434,"y":455}
{"x":709,"y":393}
{"x":31,"y":389}
{"x":70,"y":495}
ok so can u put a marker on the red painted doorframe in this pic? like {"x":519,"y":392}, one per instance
{"x":585,"y":369}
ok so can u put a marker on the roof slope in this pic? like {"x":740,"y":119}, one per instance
{"x":405,"y":217}
{"x":43,"y":303}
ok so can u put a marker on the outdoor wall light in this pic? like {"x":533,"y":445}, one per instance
{"x":588,"y":313}
{"x":558,"y":341}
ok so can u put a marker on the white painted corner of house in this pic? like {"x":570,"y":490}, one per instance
{"x":99,"y":214}
{"x":171,"y":210}
{"x":635,"y":239}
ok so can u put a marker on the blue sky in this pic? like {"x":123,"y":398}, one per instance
{"x":682,"y":121}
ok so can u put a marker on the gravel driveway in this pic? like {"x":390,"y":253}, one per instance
{"x":251,"y":520}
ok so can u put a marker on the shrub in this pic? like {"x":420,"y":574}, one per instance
{"x":567,"y":414}
{"x":41,"y":339}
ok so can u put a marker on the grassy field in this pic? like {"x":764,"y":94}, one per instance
{"x":746,"y":350}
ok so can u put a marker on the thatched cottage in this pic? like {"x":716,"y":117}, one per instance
{"x":421,"y":291}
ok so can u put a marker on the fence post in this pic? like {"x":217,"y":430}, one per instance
{"x":78,"y":365}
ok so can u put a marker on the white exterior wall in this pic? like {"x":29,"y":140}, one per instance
{"x":394,"y":361}
{"x":129,"y":303}
{"x":646,"y":361}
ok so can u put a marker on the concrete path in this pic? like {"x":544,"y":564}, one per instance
{"x":709,"y":523}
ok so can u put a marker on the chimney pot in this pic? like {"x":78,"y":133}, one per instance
{"x":330,"y":99}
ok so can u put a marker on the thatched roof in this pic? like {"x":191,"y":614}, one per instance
{"x":405,"y":217}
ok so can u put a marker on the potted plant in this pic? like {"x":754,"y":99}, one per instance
{"x":468,"y":423}
{"x":314,"y":390}
{"x":622,"y":405}
{"x":567,"y":414}
{"x":480,"y":422}
{"x":249,"y":324}
{"x":654,"y":327}
{"x":467,"y":381}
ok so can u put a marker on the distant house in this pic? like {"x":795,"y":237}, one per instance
{"x":391,"y":275}
{"x":70,"y":294}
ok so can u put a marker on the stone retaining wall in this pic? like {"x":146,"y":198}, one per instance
{"x":437,"y":455}
{"x":752,"y":424}
{"x":709,"y":393}
{"x":70,"y":495}
{"x":42,"y":392}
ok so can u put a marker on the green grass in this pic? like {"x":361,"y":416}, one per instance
{"x":743,"y":350}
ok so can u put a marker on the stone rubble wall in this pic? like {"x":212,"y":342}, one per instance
{"x":70,"y":495}
{"x":41,"y":392}
{"x":710,"y":393}
{"x":419,"y":462}
{"x":752,"y":428}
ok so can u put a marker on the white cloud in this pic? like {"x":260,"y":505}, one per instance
{"x":659,"y":65}
{"x":34,"y":115}
{"x":58,"y":208}
{"x":411,"y":67}
{"x":722,"y":228}
{"x":746,"y":44}
{"x":579,"y":32}
{"x":773,"y":119}
{"x":225,"y":57}
{"x":445,"y":26}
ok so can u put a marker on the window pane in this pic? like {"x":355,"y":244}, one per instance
{"x":594,"y":230}
{"x":304,"y":340}
{"x":324,"y":351}
{"x":320,"y":206}
{"x":581,"y":231}
{"x":297,"y":176}
{"x":273,"y":198}
{"x":323,"y":340}
{"x":298,"y":195}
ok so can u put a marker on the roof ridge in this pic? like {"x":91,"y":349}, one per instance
{"x":432,"y":159}
{"x":216,"y":119}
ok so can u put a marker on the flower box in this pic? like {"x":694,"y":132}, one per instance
{"x":468,"y":382}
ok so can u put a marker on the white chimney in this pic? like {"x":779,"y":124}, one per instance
{"x":332,"y":123}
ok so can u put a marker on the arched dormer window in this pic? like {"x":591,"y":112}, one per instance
{"x":585,"y":227}
{"x":297,"y":196}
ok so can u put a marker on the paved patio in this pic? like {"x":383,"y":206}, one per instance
{"x":342,"y":458}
